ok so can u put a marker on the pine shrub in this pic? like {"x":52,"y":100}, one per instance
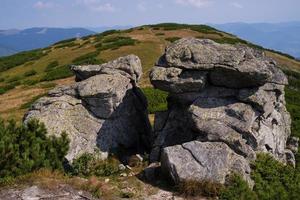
{"x":26,"y":148}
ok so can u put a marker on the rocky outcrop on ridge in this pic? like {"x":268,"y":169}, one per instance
{"x":103,"y":111}
{"x":226,"y":103}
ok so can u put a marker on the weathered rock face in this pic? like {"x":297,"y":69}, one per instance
{"x":226,"y":104}
{"x":104,"y":111}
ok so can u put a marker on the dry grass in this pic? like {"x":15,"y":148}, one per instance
{"x":193,"y":188}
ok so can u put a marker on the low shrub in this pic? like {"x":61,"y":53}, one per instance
{"x":89,"y":58}
{"x":13,"y":79}
{"x":237,"y":189}
{"x":8,"y":62}
{"x":65,"y":41}
{"x":159,"y":34}
{"x":51,"y":66}
{"x":30,"y":73}
{"x":6,"y":88}
{"x":115,"y":43}
{"x":70,"y":44}
{"x":30,"y":82}
{"x":172,"y":39}
{"x":157,"y":99}
{"x":90,"y":165}
{"x":26,"y":148}
{"x":58,"y":73}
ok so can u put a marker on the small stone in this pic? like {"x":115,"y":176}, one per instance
{"x":128,"y":167}
{"x":139,"y":157}
{"x":122,"y":167}
{"x":123,"y":175}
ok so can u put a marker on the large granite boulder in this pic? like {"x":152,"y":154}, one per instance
{"x":102,"y":112}
{"x":226,"y":104}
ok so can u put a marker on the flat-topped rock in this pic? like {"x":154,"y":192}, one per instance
{"x":234,"y":66}
{"x":128,"y":66}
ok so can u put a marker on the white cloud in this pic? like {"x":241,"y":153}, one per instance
{"x":236,"y":5}
{"x":195,"y":3}
{"x":43,"y":5}
{"x":97,"y":5}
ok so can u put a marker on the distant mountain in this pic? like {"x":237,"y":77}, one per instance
{"x":13,"y":41}
{"x":284,"y":37}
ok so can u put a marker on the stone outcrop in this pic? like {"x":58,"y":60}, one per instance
{"x":226,"y":104}
{"x":103,"y":111}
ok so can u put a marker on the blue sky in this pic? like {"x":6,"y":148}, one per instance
{"x":96,"y":13}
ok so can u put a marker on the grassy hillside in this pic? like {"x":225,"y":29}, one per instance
{"x":26,"y":76}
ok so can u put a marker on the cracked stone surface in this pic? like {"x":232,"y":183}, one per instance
{"x":102,"y":112}
{"x":237,"y":111}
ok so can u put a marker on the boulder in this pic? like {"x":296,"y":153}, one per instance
{"x":234,"y":66}
{"x":211,"y":161}
{"x":230,"y":107}
{"x":128,"y":66}
{"x":102,"y":112}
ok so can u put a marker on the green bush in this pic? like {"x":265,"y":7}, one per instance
{"x":70,"y":44}
{"x":20,"y":58}
{"x":14,"y":79}
{"x":24,"y":149}
{"x":89,"y":58}
{"x":30,"y":73}
{"x":51,"y":66}
{"x":115,"y":43}
{"x":65,"y":41}
{"x":6,"y":88}
{"x":30,"y":82}
{"x":273,"y":180}
{"x":157,"y":99}
{"x":58,"y":73}
{"x":198,"y":28}
{"x":159,"y":34}
{"x":237,"y":189}
{"x":90,"y":165}
{"x":172,"y":39}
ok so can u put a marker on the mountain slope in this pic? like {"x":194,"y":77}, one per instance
{"x":283,"y":37}
{"x":33,"y":38}
{"x":26,"y":76}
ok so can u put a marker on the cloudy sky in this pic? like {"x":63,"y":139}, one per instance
{"x":97,"y":13}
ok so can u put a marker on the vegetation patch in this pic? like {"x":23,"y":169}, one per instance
{"x":192,"y":188}
{"x":24,"y":149}
{"x":58,"y":73}
{"x":30,"y":73}
{"x":157,"y":99}
{"x":115,"y":43}
{"x":173,"y":39}
{"x":88,"y":59}
{"x":20,"y":58}
{"x":197,"y":28}
{"x":51,"y":66}
{"x":91,"y":165}
{"x":65,"y":41}
{"x":70,"y":44}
